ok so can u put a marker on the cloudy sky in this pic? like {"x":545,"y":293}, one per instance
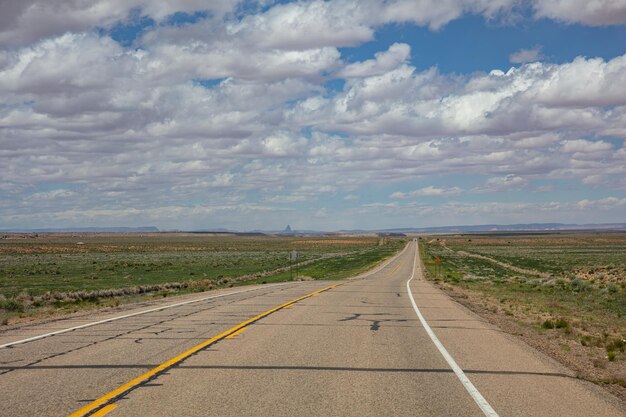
{"x":326,"y":115}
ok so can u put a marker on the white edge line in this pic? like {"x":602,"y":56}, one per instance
{"x":382,"y":265}
{"x":471,"y":389}
{"x":95,"y":323}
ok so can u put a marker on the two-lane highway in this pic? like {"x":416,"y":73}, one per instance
{"x":360,"y":347}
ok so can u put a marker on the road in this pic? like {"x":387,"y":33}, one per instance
{"x":346,"y":348}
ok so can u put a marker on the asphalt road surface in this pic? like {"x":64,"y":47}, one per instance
{"x":347,"y":348}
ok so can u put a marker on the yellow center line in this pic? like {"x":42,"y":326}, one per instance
{"x":106,"y":399}
{"x":236,"y":333}
{"x":395,"y":269}
{"x":105,"y":410}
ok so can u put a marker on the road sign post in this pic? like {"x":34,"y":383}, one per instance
{"x":293,"y":257}
{"x":437,"y":267}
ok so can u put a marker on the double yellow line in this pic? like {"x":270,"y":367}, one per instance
{"x":104,"y":404}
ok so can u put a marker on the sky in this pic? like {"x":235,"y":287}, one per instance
{"x":325,"y":115}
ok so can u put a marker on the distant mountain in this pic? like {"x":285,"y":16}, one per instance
{"x":531,"y":227}
{"x":208,"y":231}
{"x":285,"y":232}
{"x":148,"y":229}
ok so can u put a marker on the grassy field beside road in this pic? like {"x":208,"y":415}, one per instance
{"x":67,"y":271}
{"x":567,"y":290}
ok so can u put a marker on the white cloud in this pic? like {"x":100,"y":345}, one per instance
{"x":545,"y":140}
{"x":436,"y":14}
{"x":585,"y":146}
{"x":26,"y":21}
{"x":544,"y":189}
{"x":321,"y":213}
{"x":234,"y":109}
{"x":220,"y":180}
{"x":51,"y":195}
{"x":506,"y":183}
{"x":430,"y":191}
{"x":526,"y":55}
{"x":282,"y":26}
{"x":397,"y":54}
{"x":536,"y":99}
{"x":594,"y":180}
{"x":594,"y":13}
{"x":608,"y":203}
{"x":285,"y":199}
{"x":306,"y":192}
{"x":307,"y":25}
{"x":581,"y":83}
{"x":283,"y":144}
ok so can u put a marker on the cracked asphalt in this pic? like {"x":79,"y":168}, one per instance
{"x":357,"y":349}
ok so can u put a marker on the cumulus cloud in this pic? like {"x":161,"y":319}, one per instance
{"x":593,"y":13}
{"x":26,"y":21}
{"x":430,"y":191}
{"x":526,"y":55}
{"x":535,"y":98}
{"x":594,"y":179}
{"x":608,"y":203}
{"x":234,"y":108}
{"x":337,"y":22}
{"x":507,"y":183}
{"x":124,"y":110}
{"x":51,"y":195}
{"x":397,"y":54}
{"x":282,"y":144}
{"x":498,"y":212}
{"x":561,"y":85}
{"x":436,"y":14}
{"x":334,"y":23}
{"x":585,"y":146}
{"x":291,"y":25}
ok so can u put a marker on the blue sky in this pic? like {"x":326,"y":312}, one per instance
{"x":322,"y":114}
{"x":472,"y":44}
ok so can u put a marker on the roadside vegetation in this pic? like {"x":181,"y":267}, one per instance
{"x":59,"y":273}
{"x":564,"y":293}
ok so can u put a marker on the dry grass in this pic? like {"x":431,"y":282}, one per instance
{"x":52,"y":272}
{"x":566,"y":294}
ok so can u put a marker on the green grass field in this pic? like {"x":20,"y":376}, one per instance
{"x":587,"y":270}
{"x":569,"y":287}
{"x":57,"y":270}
